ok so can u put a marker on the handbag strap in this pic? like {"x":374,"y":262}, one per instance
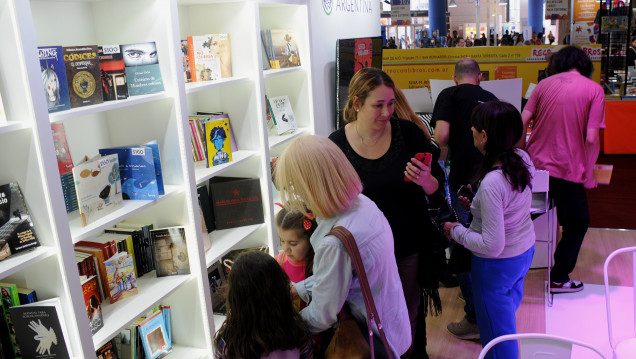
{"x":350,"y":244}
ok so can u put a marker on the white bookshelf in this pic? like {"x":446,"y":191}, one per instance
{"x":29,"y":153}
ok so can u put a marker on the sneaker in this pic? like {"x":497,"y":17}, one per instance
{"x":570,"y":286}
{"x":464,"y":330}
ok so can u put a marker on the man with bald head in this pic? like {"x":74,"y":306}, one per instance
{"x":451,"y":119}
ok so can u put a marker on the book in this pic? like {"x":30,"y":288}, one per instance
{"x":40,"y":330}
{"x":603,"y":173}
{"x":90,"y":288}
{"x":217,"y":279}
{"x":217,"y":116}
{"x":68,"y":189}
{"x":236,"y":201}
{"x":54,"y":80}
{"x":217,"y":142}
{"x":156,"y":157}
{"x":185,"y":60}
{"x":83,"y":75}
{"x":282,"y":114}
{"x":17,"y":233}
{"x":113,"y":73}
{"x":64,"y":160}
{"x":122,"y":282}
{"x":153,"y":336}
{"x":27,"y":295}
{"x":170,"y":251}
{"x":136,"y":170}
{"x":285,"y":47}
{"x":6,"y":346}
{"x":107,"y":351}
{"x":10,"y":298}
{"x":97,"y":187}
{"x":142,"y":232}
{"x":210,"y":57}
{"x":100,"y":267}
{"x":125,"y":343}
{"x":271,"y":128}
{"x":206,"y":209}
{"x":143,"y":74}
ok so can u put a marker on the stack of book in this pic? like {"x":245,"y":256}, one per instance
{"x":212,"y":139}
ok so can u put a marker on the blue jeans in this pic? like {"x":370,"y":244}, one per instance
{"x":498,"y":284}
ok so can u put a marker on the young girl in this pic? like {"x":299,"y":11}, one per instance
{"x":261,"y":321}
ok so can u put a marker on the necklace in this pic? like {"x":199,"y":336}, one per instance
{"x":362,"y":138}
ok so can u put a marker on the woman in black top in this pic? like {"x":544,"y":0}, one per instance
{"x":382,"y":148}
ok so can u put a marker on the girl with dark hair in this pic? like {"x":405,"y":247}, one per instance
{"x":501,"y":235}
{"x":261,"y":321}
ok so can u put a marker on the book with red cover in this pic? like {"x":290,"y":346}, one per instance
{"x":101,"y":268}
{"x":93,"y":304}
{"x":64,"y":160}
{"x":107,"y":247}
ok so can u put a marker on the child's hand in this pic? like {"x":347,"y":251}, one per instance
{"x":294,"y":292}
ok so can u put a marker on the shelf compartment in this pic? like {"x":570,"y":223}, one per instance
{"x":129,"y":208}
{"x":277,"y":140}
{"x":203,"y":173}
{"x":8,"y":127}
{"x":192,"y":87}
{"x":121,"y":314}
{"x":179,"y":351}
{"x":226,"y":239}
{"x":276,"y":72}
{"x":20,"y":261}
{"x":107,"y":106}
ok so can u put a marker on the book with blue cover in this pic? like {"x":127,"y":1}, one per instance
{"x":154,"y":335}
{"x":143,"y":74}
{"x":54,"y":78}
{"x":137,"y":171}
{"x":157,"y":160}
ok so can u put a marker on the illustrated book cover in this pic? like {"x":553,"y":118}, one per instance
{"x":98,"y":187}
{"x":136,"y":170}
{"x":285,"y":45}
{"x":236,"y":201}
{"x":64,"y":160}
{"x":113,"y":73}
{"x":282,"y":114}
{"x":210,"y":57}
{"x":217,"y":116}
{"x":217,"y":142}
{"x":53,"y":78}
{"x":143,"y":74}
{"x":40,"y":330}
{"x":170,"y":251}
{"x":185,"y":60}
{"x":83,"y":75}
{"x":17,"y":233}
{"x":90,"y":288}
{"x":217,"y":279}
{"x":107,"y":351}
{"x":154,"y":338}
{"x":121,"y":276}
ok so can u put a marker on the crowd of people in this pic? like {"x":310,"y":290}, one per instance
{"x":470,"y":40}
{"x":368,"y":178}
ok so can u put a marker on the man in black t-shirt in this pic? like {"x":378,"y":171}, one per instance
{"x":451,"y":119}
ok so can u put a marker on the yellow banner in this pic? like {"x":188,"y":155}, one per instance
{"x":414,"y":68}
{"x":585,"y":10}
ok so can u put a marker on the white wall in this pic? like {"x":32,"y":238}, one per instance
{"x":325,"y":29}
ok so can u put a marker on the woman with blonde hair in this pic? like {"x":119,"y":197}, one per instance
{"x":314,"y":173}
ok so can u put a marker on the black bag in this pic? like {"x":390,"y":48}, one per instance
{"x":459,"y":261}
{"x":440,"y":211}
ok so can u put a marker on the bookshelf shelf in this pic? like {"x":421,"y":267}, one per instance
{"x":223,"y":241}
{"x":278,"y":140}
{"x":9,"y":127}
{"x":203,"y":174}
{"x":193,"y":87}
{"x":18,"y":262}
{"x":179,"y":351}
{"x":278,"y":72}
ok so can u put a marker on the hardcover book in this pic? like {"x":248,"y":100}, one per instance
{"x":143,"y":74}
{"x":153,"y":332}
{"x":40,"y":330}
{"x":217,"y":141}
{"x":113,"y":73}
{"x":210,"y":57}
{"x":204,"y":202}
{"x":282,"y":114}
{"x":53,"y":79}
{"x":217,"y":279}
{"x":97,"y":186}
{"x":83,"y":75}
{"x":93,"y":304}
{"x":27,"y":295}
{"x":285,"y":46}
{"x":137,"y":171}
{"x":170,"y":251}
{"x":64,"y":160}
{"x":236,"y":202}
{"x":97,"y":256}
{"x":121,"y":276}
{"x":107,"y":351}
{"x":17,"y":233}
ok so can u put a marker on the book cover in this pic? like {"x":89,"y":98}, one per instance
{"x":107,"y":351}
{"x":170,"y":251}
{"x":27,"y":295}
{"x":143,"y":74}
{"x":206,"y":209}
{"x":217,"y":279}
{"x":282,"y":114}
{"x":285,"y":45}
{"x":210,"y":57}
{"x":217,"y":116}
{"x":136,"y":170}
{"x":17,"y":233}
{"x":10,"y":298}
{"x":40,"y":330}
{"x":83,"y":75}
{"x":126,"y":343}
{"x":93,"y":304}
{"x":236,"y":201}
{"x":153,"y":336}
{"x":100,"y":267}
{"x":187,"y":77}
{"x":113,"y":73}
{"x":53,"y":79}
{"x":97,"y":187}
{"x":156,"y":157}
{"x":6,"y":346}
{"x":64,"y":160}
{"x":68,"y":189}
{"x":217,"y":140}
{"x":121,"y":277}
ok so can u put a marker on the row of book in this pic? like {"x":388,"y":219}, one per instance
{"x":280,"y":48}
{"x":76,"y":76}
{"x":212,"y":138}
{"x":206,"y":57}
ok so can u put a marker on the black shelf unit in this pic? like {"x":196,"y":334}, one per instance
{"x":616,"y":77}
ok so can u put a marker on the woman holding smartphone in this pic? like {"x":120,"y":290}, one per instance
{"x":382,"y":150}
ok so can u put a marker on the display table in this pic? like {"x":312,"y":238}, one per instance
{"x":620,"y":126}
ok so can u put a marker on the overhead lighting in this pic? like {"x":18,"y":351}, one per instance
{"x":452,"y":3}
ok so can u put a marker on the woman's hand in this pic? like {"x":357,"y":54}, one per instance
{"x":294,"y":292}
{"x":420,"y":174}
{"x":465,"y":201}
{"x":448,"y":226}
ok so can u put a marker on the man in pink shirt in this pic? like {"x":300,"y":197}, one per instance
{"x":567,"y":110}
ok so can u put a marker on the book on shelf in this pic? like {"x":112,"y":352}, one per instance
{"x":107,"y":351}
{"x":69,"y":192}
{"x":62,"y":152}
{"x":236,"y":201}
{"x":141,"y":235}
{"x":97,"y":268}
{"x":93,"y":303}
{"x":170,"y":251}
{"x":185,"y":61}
{"x":154,"y":335}
{"x":156,"y":157}
{"x":284,"y":48}
{"x":83,"y":75}
{"x":209,"y":56}
{"x":54,"y":80}
{"x":136,"y":170}
{"x":113,"y":73}
{"x":97,"y":187}
{"x":27,"y":295}
{"x":6,"y":346}
{"x":217,"y":279}
{"x":126,"y":343}
{"x":143,"y":74}
{"x":282,"y":114}
{"x":140,"y":260}
{"x":271,"y":128}
{"x":206,"y":209}
{"x":40,"y":330}
{"x":10,"y":298}
{"x":217,"y":141}
{"x":122,"y":282}
{"x":264,"y":51}
{"x":212,"y":116}
{"x":17,"y":233}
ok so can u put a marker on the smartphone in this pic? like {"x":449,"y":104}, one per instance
{"x":423,"y":157}
{"x":466,"y":192}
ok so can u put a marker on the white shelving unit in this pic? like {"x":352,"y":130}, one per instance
{"x":28,"y":154}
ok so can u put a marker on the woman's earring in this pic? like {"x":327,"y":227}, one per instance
{"x":357,"y":110}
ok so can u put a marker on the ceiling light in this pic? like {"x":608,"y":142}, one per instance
{"x":452,"y":3}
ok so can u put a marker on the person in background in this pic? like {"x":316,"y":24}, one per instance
{"x":631,"y":52}
{"x":550,"y":38}
{"x":520,"y":41}
{"x":461,"y":42}
{"x":501,"y":235}
{"x":261,"y":321}
{"x":313,"y":173}
{"x":567,"y":110}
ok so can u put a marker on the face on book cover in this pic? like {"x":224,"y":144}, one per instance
{"x":140,"y":54}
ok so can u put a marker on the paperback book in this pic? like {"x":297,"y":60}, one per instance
{"x":218,"y":280}
{"x":83,"y":75}
{"x":154,"y":335}
{"x":113,"y":73}
{"x":209,"y":57}
{"x":27,"y":295}
{"x":236,"y":201}
{"x":285,"y":48}
{"x":64,"y":160}
{"x":53,"y":79}
{"x":137,"y":171}
{"x":17,"y":233}
{"x":170,"y":251}
{"x":282,"y":114}
{"x":185,"y":60}
{"x":143,"y":74}
{"x":10,"y":298}
{"x":217,"y":142}
{"x":121,"y":276}
{"x":90,"y":288}
{"x":107,"y":351}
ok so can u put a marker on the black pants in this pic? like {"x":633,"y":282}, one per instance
{"x":574,"y":217}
